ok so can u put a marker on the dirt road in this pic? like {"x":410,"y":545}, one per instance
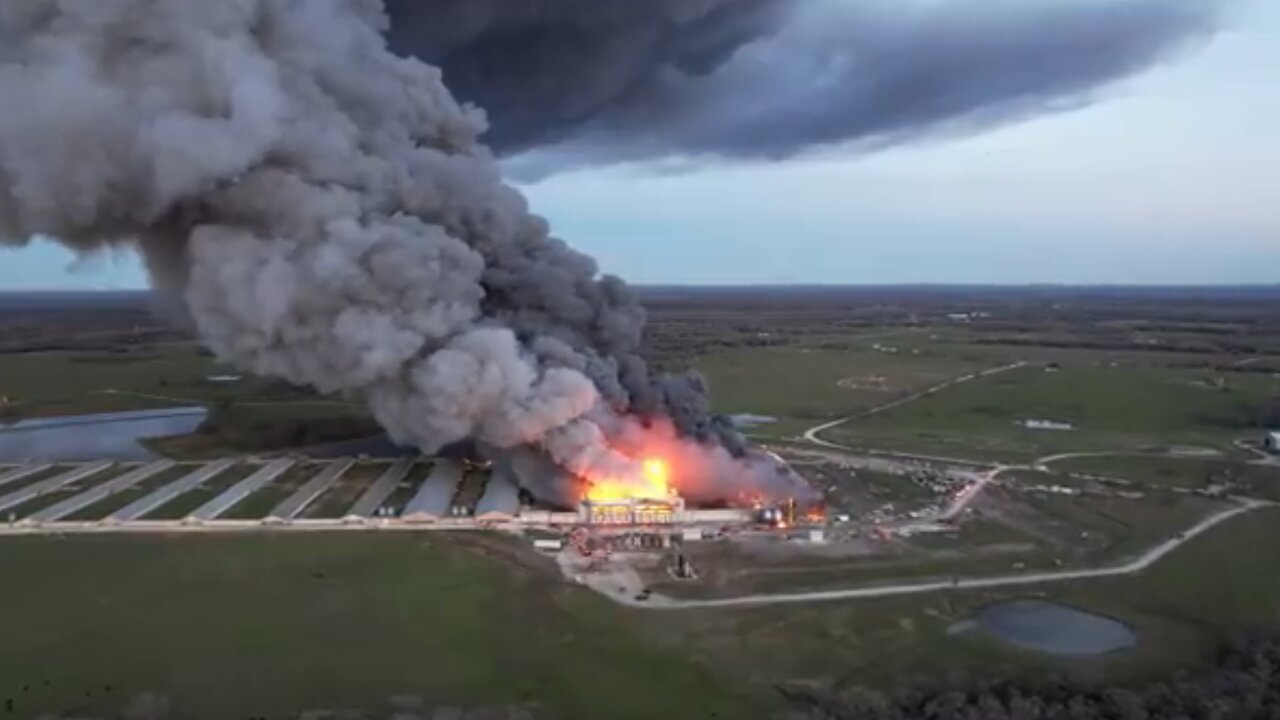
{"x":811,"y":434}
{"x":1137,"y":565}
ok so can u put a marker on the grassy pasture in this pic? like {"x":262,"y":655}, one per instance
{"x":1111,"y":408}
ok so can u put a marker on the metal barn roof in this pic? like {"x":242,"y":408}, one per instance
{"x":501,"y":497}
{"x":436,"y":494}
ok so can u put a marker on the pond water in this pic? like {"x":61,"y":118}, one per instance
{"x":1051,"y":628}
{"x":104,"y":436}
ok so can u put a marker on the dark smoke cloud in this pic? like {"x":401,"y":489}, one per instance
{"x":321,"y":210}
{"x":585,"y":81}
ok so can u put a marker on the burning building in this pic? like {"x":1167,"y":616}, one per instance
{"x":632,"y":511}
{"x":321,"y":209}
{"x":651,"y":499}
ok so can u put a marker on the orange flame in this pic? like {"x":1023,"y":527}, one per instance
{"x":654,"y":484}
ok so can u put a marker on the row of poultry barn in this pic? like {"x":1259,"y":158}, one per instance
{"x":434,"y":501}
{"x":284,"y":490}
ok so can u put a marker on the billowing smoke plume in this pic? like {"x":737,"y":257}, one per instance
{"x":323,"y":210}
{"x":590,"y":81}
{"x":326,"y":214}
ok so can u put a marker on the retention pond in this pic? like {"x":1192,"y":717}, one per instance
{"x":1051,"y":628}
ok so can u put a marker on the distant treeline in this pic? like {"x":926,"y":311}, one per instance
{"x":1164,"y":346}
{"x":1244,"y":685}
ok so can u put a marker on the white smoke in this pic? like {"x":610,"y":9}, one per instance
{"x":326,"y":213}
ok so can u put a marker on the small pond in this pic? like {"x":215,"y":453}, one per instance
{"x":104,"y":436}
{"x":1051,"y":628}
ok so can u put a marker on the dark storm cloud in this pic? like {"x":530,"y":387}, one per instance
{"x":587,"y":81}
{"x":542,"y":67}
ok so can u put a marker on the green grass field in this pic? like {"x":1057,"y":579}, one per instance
{"x":256,"y":414}
{"x":230,"y":627}
{"x":64,"y":383}
{"x":803,"y":386}
{"x":1020,"y":478}
{"x":1115,"y":528}
{"x":888,"y":487}
{"x":972,"y":535}
{"x":1051,"y":531}
{"x":1173,"y":471}
{"x":1112,"y":408}
{"x":262,"y":624}
{"x":1181,"y":609}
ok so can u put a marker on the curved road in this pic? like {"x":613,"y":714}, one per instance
{"x":980,"y":480}
{"x":811,"y":434}
{"x":1139,"y":564}
{"x":624,"y":586}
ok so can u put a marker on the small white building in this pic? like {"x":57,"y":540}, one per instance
{"x":1037,"y":424}
{"x":548,"y":544}
{"x":1272,"y":442}
{"x":501,"y":499}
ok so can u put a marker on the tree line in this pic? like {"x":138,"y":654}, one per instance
{"x":1243,"y":685}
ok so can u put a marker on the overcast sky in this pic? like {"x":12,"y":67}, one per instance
{"x":1173,"y":178}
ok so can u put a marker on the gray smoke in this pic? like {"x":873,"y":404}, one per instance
{"x":591,"y":81}
{"x":324,"y":213}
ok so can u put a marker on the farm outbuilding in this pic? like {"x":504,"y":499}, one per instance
{"x":501,"y":499}
{"x":434,"y":498}
{"x":371,"y":501}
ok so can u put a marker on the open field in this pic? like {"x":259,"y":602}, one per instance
{"x":330,"y":622}
{"x":247,"y":415}
{"x":1003,"y":532}
{"x":1111,"y":409}
{"x":188,"y":617}
{"x":260,"y":624}
{"x":1175,"y":471}
{"x":729,"y":571}
{"x":1180,"y":608}
{"x":811,"y":385}
{"x":1114,"y":527}
{"x":802,"y":355}
{"x":857,"y":490}
{"x":163,"y":375}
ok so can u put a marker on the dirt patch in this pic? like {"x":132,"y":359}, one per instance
{"x":874,"y":383}
{"x":510,"y":551}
